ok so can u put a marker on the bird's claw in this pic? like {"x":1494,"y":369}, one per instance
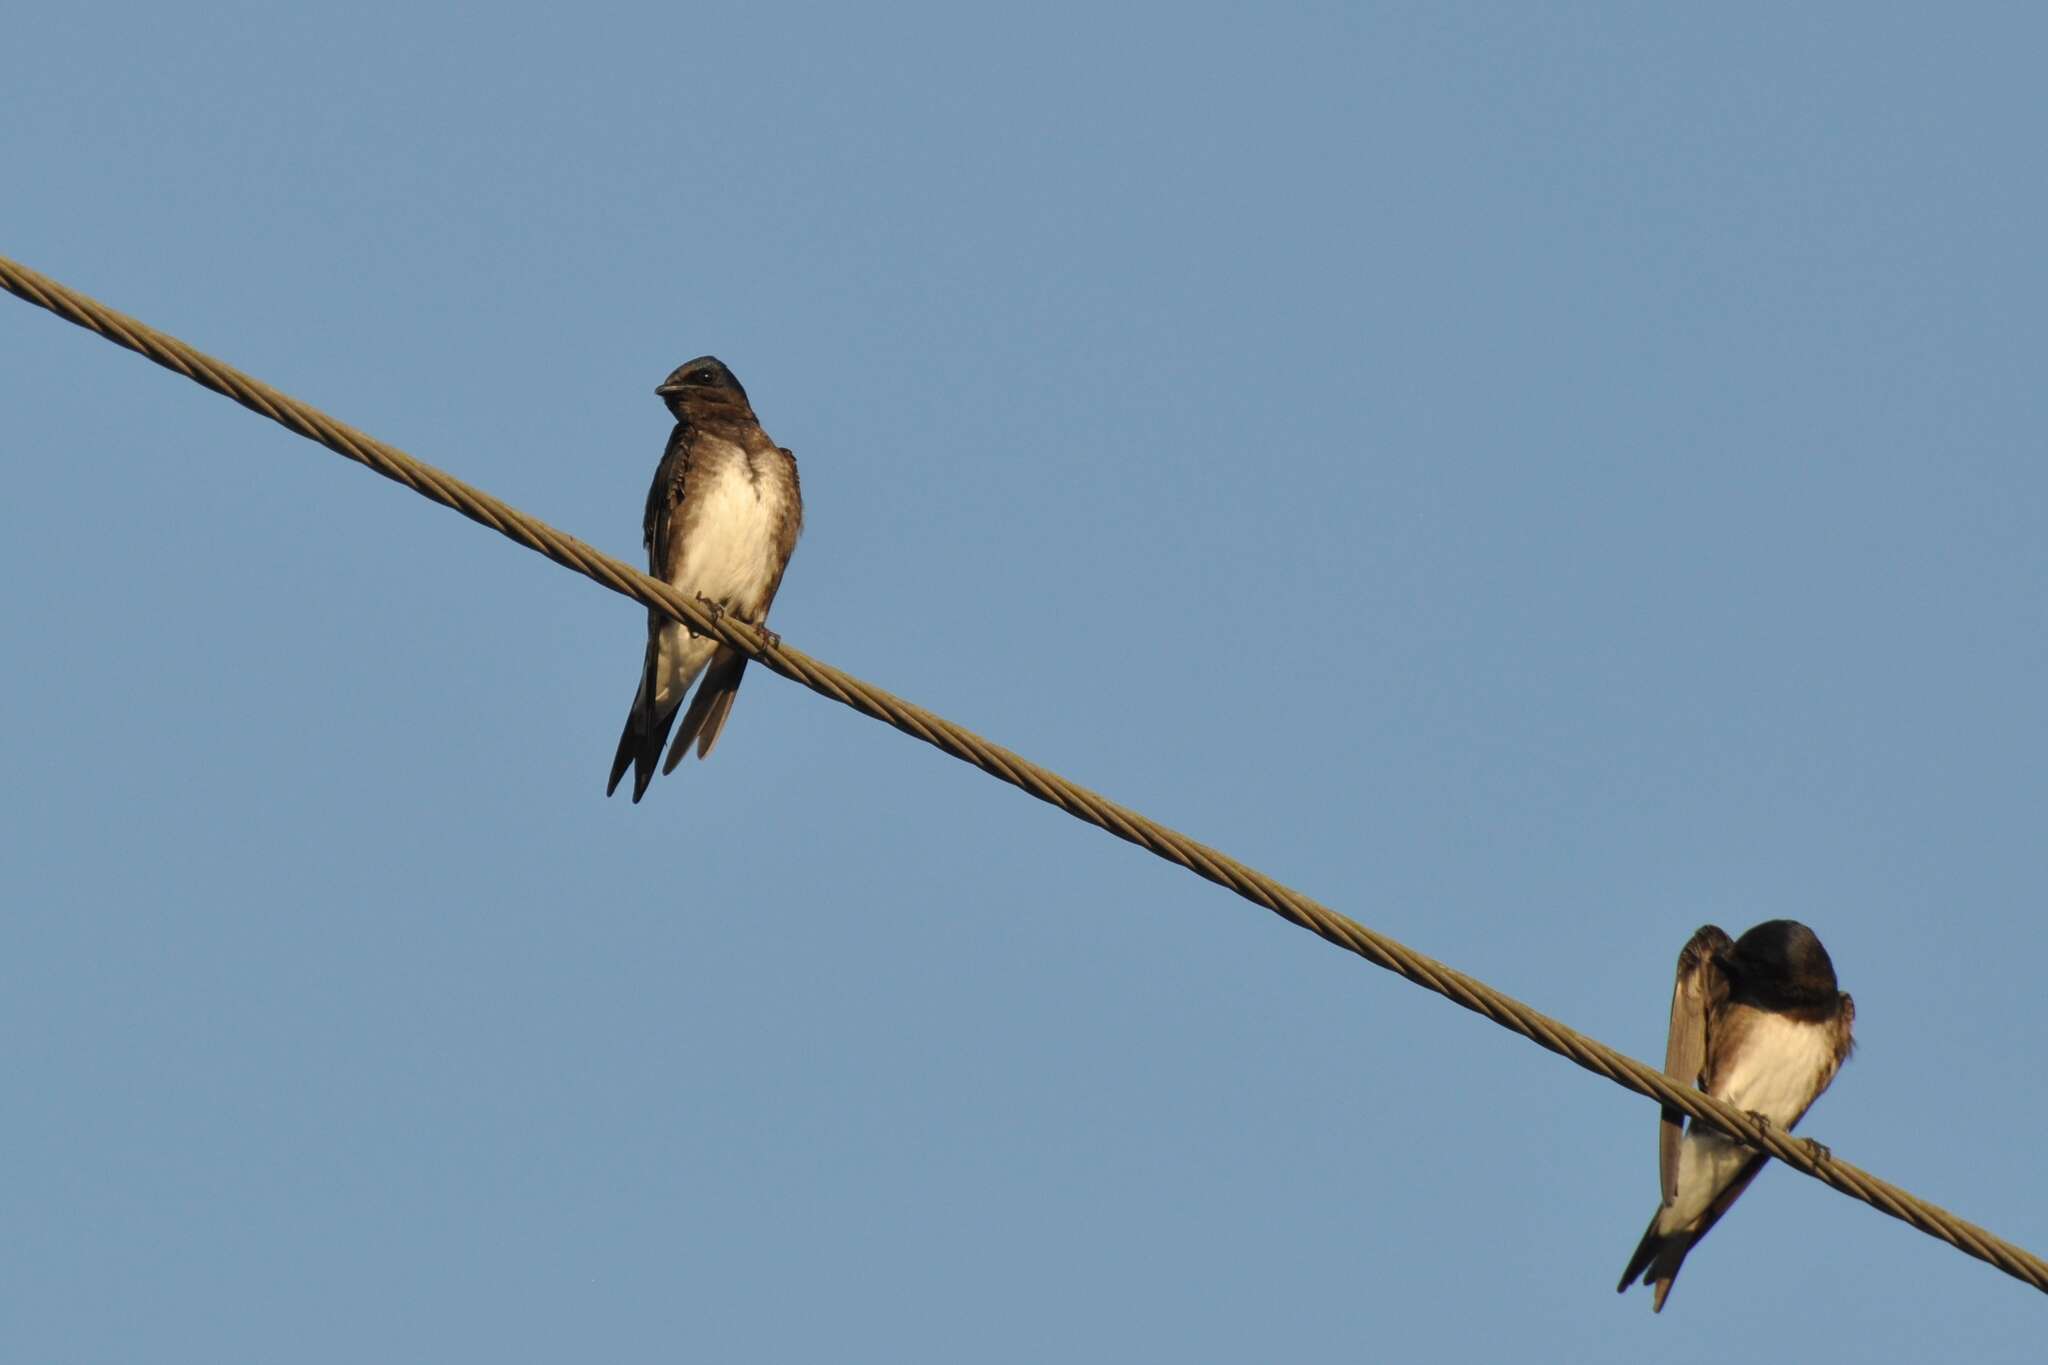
{"x":1816,"y":1152}
{"x":718,"y":610}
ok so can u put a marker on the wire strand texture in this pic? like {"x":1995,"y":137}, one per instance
{"x":1001,"y":763}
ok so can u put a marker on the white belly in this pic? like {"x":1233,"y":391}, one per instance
{"x":1706,"y":1163}
{"x":1778,"y":1069}
{"x":729,"y":556}
{"x":1775,"y":1075}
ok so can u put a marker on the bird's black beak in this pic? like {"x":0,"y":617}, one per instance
{"x":667,"y":390}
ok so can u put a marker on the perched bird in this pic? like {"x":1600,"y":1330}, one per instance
{"x":1758,"y":1023}
{"x":723,"y":516}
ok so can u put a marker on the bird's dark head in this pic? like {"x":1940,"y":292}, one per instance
{"x":1788,"y":954}
{"x":704,"y":379}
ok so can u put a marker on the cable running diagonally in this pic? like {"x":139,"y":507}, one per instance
{"x":999,"y":762}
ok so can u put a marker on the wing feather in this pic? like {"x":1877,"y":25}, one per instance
{"x":1701,"y":985}
{"x":659,"y":531}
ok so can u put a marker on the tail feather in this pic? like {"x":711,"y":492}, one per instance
{"x":623,"y":759}
{"x":1659,"y":1255}
{"x":709,"y":708}
{"x":647,"y":725}
{"x":674,"y":659}
{"x":1645,"y":1249}
{"x":1657,"y":1260}
{"x":640,"y":746}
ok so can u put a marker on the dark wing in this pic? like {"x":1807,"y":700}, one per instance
{"x":792,"y":520}
{"x":1845,"y":1030}
{"x":1841,"y":1042}
{"x":659,"y":527}
{"x":1700,"y":989}
{"x":645,"y":732}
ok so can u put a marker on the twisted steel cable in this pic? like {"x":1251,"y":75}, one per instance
{"x":998,"y":762}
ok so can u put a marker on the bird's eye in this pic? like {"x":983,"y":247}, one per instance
{"x":704,"y":377}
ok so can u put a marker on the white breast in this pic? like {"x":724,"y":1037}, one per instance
{"x":729,"y":555}
{"x":1778,"y":1069}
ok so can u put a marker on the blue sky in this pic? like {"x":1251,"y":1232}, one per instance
{"x":1538,"y":479}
